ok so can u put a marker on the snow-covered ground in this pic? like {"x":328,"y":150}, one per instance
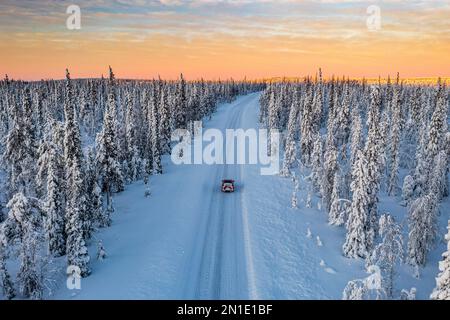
{"x":190,"y":241}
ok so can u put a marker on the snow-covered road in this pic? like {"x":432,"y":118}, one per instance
{"x":217,"y":267}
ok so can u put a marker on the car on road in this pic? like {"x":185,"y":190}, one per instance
{"x":227,"y":185}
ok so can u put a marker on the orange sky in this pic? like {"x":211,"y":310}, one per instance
{"x":224,"y":38}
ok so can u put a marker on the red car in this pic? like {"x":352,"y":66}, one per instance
{"x":227,"y":185}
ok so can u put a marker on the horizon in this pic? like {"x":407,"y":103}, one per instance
{"x":370,"y":80}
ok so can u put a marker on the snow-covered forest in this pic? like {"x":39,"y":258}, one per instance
{"x":373,"y":159}
{"x":68,"y":147}
{"x":356,"y":143}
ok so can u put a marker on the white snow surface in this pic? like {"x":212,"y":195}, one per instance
{"x":190,"y":241}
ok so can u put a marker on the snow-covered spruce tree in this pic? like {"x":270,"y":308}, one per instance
{"x":446,"y":179}
{"x":155,"y":143}
{"x":5,"y":278}
{"x":77,"y":253}
{"x":164,"y":124}
{"x":394,"y":142}
{"x":356,"y":140}
{"x":389,"y":252}
{"x":331,"y":137}
{"x":317,"y":164}
{"x":148,"y":140}
{"x":42,"y":166}
{"x":290,"y":154}
{"x":356,"y":243}
{"x":407,"y":190}
{"x":421,"y":169}
{"x":343,"y":118}
{"x":20,"y":152}
{"x":264,"y":105}
{"x":54,"y":205}
{"x":109,"y":166}
{"x":306,"y":128}
{"x":422,"y":228}
{"x":335,"y":215}
{"x":133,"y":156}
{"x":94,"y":202}
{"x":274,"y":120}
{"x":438,"y":183}
{"x":438,"y":125}
{"x":410,"y":137}
{"x":408,"y":294}
{"x":432,"y":142}
{"x":73,"y":157}
{"x":330,"y":167}
{"x":318,"y":103}
{"x":442,"y":290}
{"x":24,"y":216}
{"x":180,"y":105}
{"x":355,"y":290}
{"x":373,"y":151}
{"x":369,"y":288}
{"x":72,"y":140}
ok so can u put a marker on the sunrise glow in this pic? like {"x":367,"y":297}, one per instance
{"x":225,"y":38}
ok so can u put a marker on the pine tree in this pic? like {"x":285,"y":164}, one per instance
{"x":438,"y":181}
{"x":338,"y":209}
{"x":24,"y":216}
{"x":306,"y":128}
{"x":155,"y":143}
{"x":373,"y":152}
{"x":343,"y":118}
{"x":77,"y":254}
{"x":317,"y":164}
{"x":54,"y":223}
{"x":290,"y":153}
{"x":408,"y":294}
{"x":107,"y":157}
{"x":164,"y":125}
{"x":442,"y":290}
{"x":273,"y":121}
{"x":318,"y":103}
{"x":330,"y":167}
{"x":133,"y":157}
{"x":438,"y":125}
{"x":394,"y":142}
{"x":332,"y":121}
{"x":389,"y":252}
{"x":149,"y":137}
{"x":21,"y":151}
{"x":356,"y":242}
{"x":356,"y":134}
{"x":42,"y":168}
{"x":369,"y":288}
{"x":180,"y":105}
{"x":422,"y":228}
{"x":72,"y":140}
{"x":73,"y":162}
{"x":408,"y":190}
{"x":93,"y":191}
